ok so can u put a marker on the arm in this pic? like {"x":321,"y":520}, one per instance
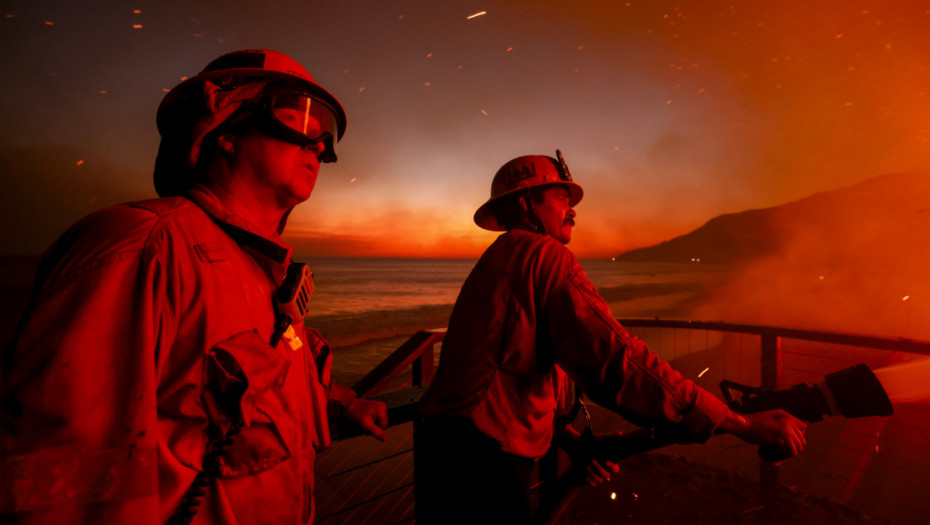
{"x":79,"y":381}
{"x":771,"y":427}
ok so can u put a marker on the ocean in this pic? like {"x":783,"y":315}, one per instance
{"x":366,"y":308}
{"x":352,"y":286}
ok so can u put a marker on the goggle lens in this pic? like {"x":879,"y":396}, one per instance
{"x":304,"y":114}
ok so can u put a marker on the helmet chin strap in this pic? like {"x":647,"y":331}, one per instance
{"x":533,"y":221}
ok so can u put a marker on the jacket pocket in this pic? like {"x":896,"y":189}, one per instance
{"x":238,"y":373}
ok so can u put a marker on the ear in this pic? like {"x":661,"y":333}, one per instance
{"x":523,"y":205}
{"x":226,"y":143}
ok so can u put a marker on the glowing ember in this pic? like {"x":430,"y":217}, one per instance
{"x":613,"y":495}
{"x":49,"y":23}
{"x":353,"y":180}
{"x":483,"y":112}
{"x":137,"y":11}
{"x":137,"y":26}
{"x":509,"y":49}
{"x":703,"y":371}
{"x":476,"y":15}
{"x":906,"y":297}
{"x":79,"y":163}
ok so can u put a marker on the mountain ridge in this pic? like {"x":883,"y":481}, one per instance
{"x":876,"y":207}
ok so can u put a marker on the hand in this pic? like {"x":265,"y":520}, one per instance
{"x":370,"y":416}
{"x":597,"y":472}
{"x":771,"y":427}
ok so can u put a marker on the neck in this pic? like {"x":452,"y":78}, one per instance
{"x":248,"y":202}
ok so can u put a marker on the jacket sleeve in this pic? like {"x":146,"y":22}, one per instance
{"x":79,"y":427}
{"x":616,"y":369}
{"x":338,"y":397}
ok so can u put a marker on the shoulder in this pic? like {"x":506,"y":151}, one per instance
{"x":545,"y":249}
{"x":129,"y":231}
{"x":540,"y":256}
{"x":129,"y":220}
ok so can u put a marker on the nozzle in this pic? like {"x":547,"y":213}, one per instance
{"x":851,"y":392}
{"x":856,"y":392}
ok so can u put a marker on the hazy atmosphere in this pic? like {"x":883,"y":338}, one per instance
{"x":668,"y":113}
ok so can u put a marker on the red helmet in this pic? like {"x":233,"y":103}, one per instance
{"x":199,"y":105}
{"x":523,"y":173}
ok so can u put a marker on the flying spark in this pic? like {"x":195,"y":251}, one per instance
{"x":476,"y":15}
{"x":906,"y":297}
{"x":703,"y":371}
{"x":613,"y":495}
{"x":353,"y":180}
{"x":79,"y":163}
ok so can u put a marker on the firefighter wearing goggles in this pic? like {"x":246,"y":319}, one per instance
{"x":264,"y":89}
{"x":163,"y":372}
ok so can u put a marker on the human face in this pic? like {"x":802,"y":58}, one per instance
{"x":280,"y":174}
{"x":555,"y":213}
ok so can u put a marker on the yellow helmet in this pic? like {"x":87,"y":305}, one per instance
{"x":523,"y":173}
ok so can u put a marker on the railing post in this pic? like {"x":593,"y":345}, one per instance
{"x":768,"y":471}
{"x":424,"y":366}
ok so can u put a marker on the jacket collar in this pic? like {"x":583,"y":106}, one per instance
{"x":238,"y":227}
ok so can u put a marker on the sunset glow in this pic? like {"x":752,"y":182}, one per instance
{"x":667,"y":114}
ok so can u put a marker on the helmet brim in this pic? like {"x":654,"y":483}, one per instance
{"x":484,"y":216}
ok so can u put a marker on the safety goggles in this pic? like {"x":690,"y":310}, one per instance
{"x":301,"y":119}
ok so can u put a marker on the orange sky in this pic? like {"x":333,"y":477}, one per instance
{"x":668,"y":113}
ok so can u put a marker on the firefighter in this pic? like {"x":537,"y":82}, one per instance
{"x":528,"y":327}
{"x":162,"y":371}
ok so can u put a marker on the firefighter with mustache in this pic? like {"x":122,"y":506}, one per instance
{"x":528,"y":330}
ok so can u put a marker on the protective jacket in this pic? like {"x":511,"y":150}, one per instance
{"x":147,"y":335}
{"x":528,"y":310}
